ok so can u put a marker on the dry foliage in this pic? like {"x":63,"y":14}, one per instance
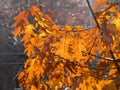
{"x":60,"y":57}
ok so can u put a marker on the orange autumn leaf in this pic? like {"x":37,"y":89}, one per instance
{"x":34,"y":10}
{"x":62,"y":57}
{"x":17,"y":32}
{"x":99,"y":3}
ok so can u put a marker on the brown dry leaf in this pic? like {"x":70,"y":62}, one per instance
{"x":108,"y":31}
{"x":102,"y":64}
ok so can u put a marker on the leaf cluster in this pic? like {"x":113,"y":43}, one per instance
{"x":62,"y":56}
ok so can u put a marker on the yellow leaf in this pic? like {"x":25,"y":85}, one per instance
{"x":41,"y":24}
{"x":29,"y":29}
{"x":116,"y":21}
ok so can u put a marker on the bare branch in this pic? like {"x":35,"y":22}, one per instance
{"x":93,"y":13}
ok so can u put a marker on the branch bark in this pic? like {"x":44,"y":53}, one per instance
{"x":88,"y":3}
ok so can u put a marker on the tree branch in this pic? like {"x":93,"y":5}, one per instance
{"x":77,"y":64}
{"x":109,"y":7}
{"x":114,"y":61}
{"x":109,"y":59}
{"x":92,"y":45}
{"x":91,"y":49}
{"x":93,"y":13}
{"x":74,"y":30}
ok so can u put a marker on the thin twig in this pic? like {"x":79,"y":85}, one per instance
{"x":77,"y":64}
{"x":100,"y":57}
{"x":109,"y":7}
{"x":92,"y":45}
{"x":114,"y":61}
{"x":16,"y":76}
{"x":91,"y":50}
{"x":74,"y":30}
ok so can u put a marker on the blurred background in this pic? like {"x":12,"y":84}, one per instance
{"x":12,"y":57}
